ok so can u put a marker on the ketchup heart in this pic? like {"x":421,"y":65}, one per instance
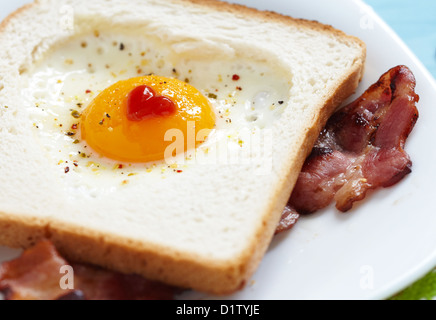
{"x":143,"y":103}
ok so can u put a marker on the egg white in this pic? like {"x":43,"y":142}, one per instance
{"x":61,"y":85}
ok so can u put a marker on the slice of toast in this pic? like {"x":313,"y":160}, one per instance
{"x":204,"y":226}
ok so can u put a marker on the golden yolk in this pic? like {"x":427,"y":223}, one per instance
{"x":106,"y":127}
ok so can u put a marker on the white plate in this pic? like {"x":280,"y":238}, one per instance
{"x":389,"y":240}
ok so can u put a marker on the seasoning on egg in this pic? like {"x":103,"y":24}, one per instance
{"x":75,"y":114}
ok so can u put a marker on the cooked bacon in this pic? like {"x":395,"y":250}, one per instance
{"x":36,"y":275}
{"x":102,"y":284}
{"x":288,"y":220}
{"x":361,"y":147}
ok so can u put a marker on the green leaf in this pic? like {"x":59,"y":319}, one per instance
{"x":423,"y":289}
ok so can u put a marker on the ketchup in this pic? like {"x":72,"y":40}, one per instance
{"x":143,"y":103}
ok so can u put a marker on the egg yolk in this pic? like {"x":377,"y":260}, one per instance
{"x":129,"y":120}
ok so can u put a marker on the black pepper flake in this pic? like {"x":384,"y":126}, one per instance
{"x":281,"y":102}
{"x":67,"y":169}
{"x":70,"y":134}
{"x":75,"y":114}
{"x":108,"y":116}
{"x":75,"y":164}
{"x":101,"y":122}
{"x":122,"y":47}
{"x":239,"y":88}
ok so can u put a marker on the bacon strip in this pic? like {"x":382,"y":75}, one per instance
{"x":361,"y":147}
{"x":36,"y":275}
{"x":288,"y":220}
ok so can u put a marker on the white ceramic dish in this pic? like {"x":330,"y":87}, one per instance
{"x":384,"y":243}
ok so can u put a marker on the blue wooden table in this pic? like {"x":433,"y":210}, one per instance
{"x":415,"y":22}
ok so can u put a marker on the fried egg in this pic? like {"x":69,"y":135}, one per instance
{"x":80,"y":94}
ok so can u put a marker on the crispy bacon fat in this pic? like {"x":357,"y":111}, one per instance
{"x":361,"y":147}
{"x":40,"y":273}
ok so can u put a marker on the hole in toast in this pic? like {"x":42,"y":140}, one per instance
{"x":73,"y":72}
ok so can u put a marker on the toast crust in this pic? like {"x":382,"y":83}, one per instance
{"x":124,"y":255}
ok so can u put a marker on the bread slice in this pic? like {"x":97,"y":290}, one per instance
{"x":208,"y":227}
